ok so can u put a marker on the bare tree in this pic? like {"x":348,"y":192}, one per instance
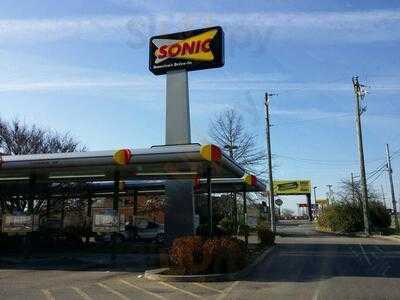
{"x":228,"y":131}
{"x":16,"y":137}
{"x":348,"y":189}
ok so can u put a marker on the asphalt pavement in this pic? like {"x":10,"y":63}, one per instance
{"x":304,"y":265}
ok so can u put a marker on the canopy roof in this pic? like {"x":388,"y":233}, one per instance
{"x":249,"y":183}
{"x":158,"y":162}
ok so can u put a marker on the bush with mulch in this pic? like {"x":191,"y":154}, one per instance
{"x":224,"y":255}
{"x":186,"y":254}
{"x":194,"y":255}
{"x":265,"y":235}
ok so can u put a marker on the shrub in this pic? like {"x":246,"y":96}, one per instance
{"x":348,"y":217}
{"x":342,"y":216}
{"x":379,"y":216}
{"x":228,"y":226}
{"x":222,"y":255}
{"x":186,"y":253}
{"x":193,"y":254}
{"x":265,"y":235}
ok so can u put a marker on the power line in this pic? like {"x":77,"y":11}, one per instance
{"x":310,"y":160}
{"x":377,"y":176}
{"x":312,"y":119}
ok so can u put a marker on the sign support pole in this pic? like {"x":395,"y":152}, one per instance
{"x":177,"y":127}
{"x":179,"y":214}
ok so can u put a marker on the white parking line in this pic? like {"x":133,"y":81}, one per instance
{"x":81,"y":293}
{"x":227,"y":291}
{"x":111,"y":290}
{"x":207,"y":287}
{"x":180,"y":290}
{"x":365,"y":255}
{"x":142,"y":289}
{"x":48,"y":294}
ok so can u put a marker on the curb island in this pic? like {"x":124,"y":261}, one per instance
{"x":157,"y":274}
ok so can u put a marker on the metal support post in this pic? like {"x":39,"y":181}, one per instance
{"x":115,"y":209}
{"x":310,"y":218}
{"x":32,"y":192}
{"x":135,"y":202}
{"x":246,"y":234}
{"x":209,"y":202}
{"x":89,"y":217}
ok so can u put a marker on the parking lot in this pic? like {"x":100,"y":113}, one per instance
{"x":353,"y":268}
{"x":56,"y":284}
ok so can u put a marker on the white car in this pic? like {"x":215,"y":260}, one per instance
{"x":142,"y":229}
{"x":151,"y":231}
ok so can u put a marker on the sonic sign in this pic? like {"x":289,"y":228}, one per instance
{"x":189,"y":50}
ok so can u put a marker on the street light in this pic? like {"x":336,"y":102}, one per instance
{"x":315,"y":194}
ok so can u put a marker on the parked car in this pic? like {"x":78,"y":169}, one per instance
{"x":141,"y":230}
{"x":153,"y":231}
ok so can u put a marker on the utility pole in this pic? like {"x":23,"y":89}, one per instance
{"x":383,"y":196}
{"x":359,"y":94}
{"x":271,"y":181}
{"x":353,"y":188}
{"x":390,"y":171}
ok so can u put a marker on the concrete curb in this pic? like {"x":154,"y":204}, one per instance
{"x":158,"y":276}
{"x":387,"y":237}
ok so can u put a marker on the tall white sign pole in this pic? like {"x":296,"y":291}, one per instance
{"x":179,"y":217}
{"x":177,"y":127}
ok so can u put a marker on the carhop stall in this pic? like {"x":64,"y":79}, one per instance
{"x":42,"y":177}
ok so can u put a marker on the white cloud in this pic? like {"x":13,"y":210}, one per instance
{"x":330,"y":27}
{"x":75,"y":84}
{"x":218,"y":83}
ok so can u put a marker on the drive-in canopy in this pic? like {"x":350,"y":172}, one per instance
{"x":157,"y":162}
{"x":219,"y":185}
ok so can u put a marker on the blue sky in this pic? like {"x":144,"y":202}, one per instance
{"x":81,"y":67}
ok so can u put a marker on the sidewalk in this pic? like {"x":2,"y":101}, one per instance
{"x":394,"y":237}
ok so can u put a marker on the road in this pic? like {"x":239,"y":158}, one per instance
{"x":304,"y":265}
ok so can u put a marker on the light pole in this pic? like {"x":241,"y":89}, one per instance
{"x":315,"y":194}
